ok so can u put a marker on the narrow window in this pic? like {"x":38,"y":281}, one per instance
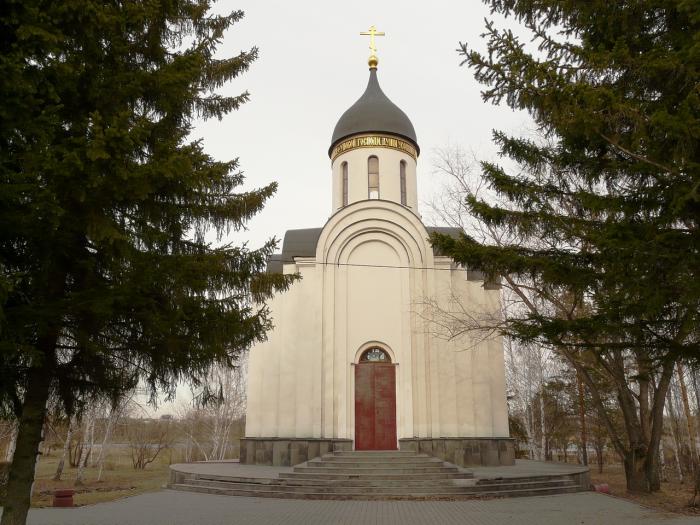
{"x":373,"y":177}
{"x":402,"y":176}
{"x":344,"y":168}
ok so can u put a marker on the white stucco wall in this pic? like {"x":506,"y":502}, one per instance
{"x":389,"y":180}
{"x":372,"y":271}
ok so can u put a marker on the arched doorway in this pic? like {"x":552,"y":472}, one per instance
{"x":375,"y":401}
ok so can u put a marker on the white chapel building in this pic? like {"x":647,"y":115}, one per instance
{"x":352,"y":362}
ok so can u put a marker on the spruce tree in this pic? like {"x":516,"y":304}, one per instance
{"x":113,"y":265}
{"x":607,"y":205}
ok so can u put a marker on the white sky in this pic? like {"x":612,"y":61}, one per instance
{"x":313,"y":66}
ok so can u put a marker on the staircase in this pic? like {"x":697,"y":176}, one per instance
{"x":376,"y":475}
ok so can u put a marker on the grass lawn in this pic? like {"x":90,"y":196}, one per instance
{"x":673,"y":496}
{"x":119,"y":479}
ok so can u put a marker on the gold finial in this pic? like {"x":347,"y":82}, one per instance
{"x":373,"y":60}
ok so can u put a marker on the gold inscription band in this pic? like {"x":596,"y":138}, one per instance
{"x":374,"y":141}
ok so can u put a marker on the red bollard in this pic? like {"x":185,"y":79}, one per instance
{"x":63,"y":498}
{"x":602,"y":487}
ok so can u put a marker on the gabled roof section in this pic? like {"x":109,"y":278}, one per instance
{"x":302,"y":243}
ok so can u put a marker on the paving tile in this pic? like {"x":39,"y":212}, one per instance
{"x":180,"y":508}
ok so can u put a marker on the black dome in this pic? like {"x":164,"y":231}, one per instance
{"x":373,"y":112}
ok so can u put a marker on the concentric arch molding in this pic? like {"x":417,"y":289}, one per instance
{"x":374,"y":140}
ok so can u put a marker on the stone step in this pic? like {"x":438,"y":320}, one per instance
{"x":370,"y":476}
{"x":374,"y":464}
{"x":523,"y":479}
{"x":298,"y":482}
{"x":476,"y":484}
{"x":342,"y":460}
{"x":345,"y":495}
{"x":422,"y":489}
{"x":392,"y":453}
{"x":414,"y":488}
{"x":406,"y":482}
{"x":235,"y":479}
{"x":379,"y":475}
{"x":506,"y":485}
{"x":384,"y":470}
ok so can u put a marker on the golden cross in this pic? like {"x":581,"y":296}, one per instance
{"x":372,"y":33}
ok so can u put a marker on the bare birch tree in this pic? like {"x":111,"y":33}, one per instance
{"x":527,"y":370}
{"x":116,"y":410}
{"x":89,"y":418}
{"x":66,"y":447}
{"x":217,"y":405}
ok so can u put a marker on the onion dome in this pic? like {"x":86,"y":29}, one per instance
{"x":374,"y":113}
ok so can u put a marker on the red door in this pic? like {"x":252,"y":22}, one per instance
{"x":375,"y":406}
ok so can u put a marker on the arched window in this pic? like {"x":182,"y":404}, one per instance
{"x":373,"y":177}
{"x":344,"y":169}
{"x":375,"y":355}
{"x":402,"y":175}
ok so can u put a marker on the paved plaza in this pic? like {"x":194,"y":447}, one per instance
{"x":181,"y":508}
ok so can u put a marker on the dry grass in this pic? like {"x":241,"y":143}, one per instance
{"x":119,"y":479}
{"x":673,"y":496}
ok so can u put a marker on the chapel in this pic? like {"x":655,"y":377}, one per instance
{"x":353,"y":361}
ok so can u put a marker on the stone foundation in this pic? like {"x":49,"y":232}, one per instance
{"x":285,"y":452}
{"x":465,"y":452}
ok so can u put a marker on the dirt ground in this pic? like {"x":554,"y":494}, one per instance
{"x":673,"y":496}
{"x":119,"y":479}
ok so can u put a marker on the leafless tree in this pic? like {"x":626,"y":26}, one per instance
{"x":216,"y":406}
{"x":147,"y":437}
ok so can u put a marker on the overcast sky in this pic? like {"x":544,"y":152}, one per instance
{"x":313,"y":66}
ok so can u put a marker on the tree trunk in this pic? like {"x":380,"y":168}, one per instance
{"x":113,"y":416}
{"x":88,"y":459}
{"x":599,"y":458}
{"x":530,"y":430}
{"x":662,"y":461}
{"x":696,"y":494}
{"x":696,"y":387}
{"x":543,"y":433}
{"x":656,"y":422}
{"x":66,"y":448}
{"x":641,"y":460}
{"x":30,"y":434}
{"x":582,"y":420}
{"x":12,"y":443}
{"x":688,"y":417}
{"x":653,"y":473}
{"x":635,"y":473}
{"x":84,"y":453}
{"x":675,"y":441}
